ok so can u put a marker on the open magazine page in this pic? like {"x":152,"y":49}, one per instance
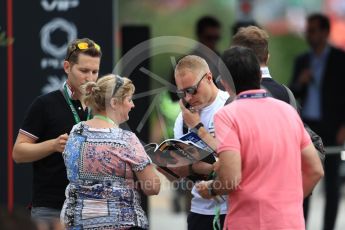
{"x":178,"y":155}
{"x":193,"y":137}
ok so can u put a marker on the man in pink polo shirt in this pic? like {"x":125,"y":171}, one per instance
{"x":267,"y":162}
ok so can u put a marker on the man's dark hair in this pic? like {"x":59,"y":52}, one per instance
{"x":323,"y":20}
{"x":205,"y":22}
{"x":244,"y":68}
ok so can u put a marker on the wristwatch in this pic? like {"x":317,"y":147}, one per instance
{"x":196,"y":128}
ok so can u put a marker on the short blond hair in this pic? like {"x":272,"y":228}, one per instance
{"x":191,"y":63}
{"x":97,"y":95}
{"x":253,"y":38}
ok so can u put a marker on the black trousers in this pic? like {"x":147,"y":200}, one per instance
{"x":332,"y":184}
{"x":197,"y":221}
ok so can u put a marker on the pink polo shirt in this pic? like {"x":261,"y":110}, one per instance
{"x":269,"y":135}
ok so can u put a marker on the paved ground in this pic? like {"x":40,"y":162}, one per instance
{"x":163,"y":218}
{"x":317,"y":210}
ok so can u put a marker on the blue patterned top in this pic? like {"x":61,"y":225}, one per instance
{"x":102,"y":192}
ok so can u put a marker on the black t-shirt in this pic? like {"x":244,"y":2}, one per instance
{"x":48,"y":117}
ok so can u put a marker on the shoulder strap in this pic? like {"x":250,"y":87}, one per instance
{"x":292,"y":98}
{"x":267,"y":90}
{"x":229,"y":100}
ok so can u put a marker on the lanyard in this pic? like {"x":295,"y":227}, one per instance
{"x":74,"y":111}
{"x":216,"y":219}
{"x":252,"y":95}
{"x":104,"y":118}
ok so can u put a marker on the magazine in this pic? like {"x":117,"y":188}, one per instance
{"x":172,"y":154}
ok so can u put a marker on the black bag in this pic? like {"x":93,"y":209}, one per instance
{"x":317,"y":142}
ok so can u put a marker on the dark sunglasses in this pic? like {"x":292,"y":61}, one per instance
{"x":190,"y":90}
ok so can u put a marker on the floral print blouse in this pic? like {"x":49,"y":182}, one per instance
{"x":102,"y":191}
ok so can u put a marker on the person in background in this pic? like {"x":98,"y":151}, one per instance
{"x":208,"y":33}
{"x":106,"y":165}
{"x":318,"y":77}
{"x":257,"y":40}
{"x":45,"y":129}
{"x":266,"y":186}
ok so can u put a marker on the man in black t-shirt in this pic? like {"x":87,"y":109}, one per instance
{"x":45,"y":129}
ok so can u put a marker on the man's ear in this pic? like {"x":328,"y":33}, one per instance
{"x":267,"y":59}
{"x":210,"y":77}
{"x":67,"y":67}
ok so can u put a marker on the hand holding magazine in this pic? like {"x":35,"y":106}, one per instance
{"x":176,"y":156}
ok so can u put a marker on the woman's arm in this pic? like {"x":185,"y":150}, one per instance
{"x":149,"y":180}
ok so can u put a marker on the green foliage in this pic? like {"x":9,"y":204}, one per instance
{"x":4,"y":40}
{"x":283,"y":50}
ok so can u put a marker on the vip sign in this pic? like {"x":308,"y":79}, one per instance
{"x":59,"y":5}
{"x":55,"y":51}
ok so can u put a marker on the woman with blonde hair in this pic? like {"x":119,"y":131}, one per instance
{"x":106,"y":165}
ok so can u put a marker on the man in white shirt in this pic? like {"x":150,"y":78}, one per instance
{"x":196,"y":88}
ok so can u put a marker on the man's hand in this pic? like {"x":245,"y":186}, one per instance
{"x":203,"y":189}
{"x":27,"y":150}
{"x":305,"y":77}
{"x":202,"y":168}
{"x":191,"y":119}
{"x":60,"y":142}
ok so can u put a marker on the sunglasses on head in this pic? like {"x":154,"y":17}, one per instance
{"x":118,"y":84}
{"x":83,"y":46}
{"x":190,"y":90}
